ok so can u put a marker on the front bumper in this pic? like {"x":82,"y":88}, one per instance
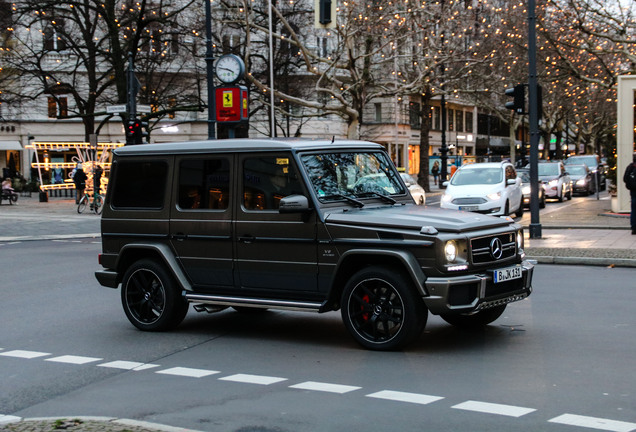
{"x":494,"y":208}
{"x":470,"y":293}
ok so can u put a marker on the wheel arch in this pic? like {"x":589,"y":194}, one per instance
{"x":132,"y":253}
{"x":354,"y":260}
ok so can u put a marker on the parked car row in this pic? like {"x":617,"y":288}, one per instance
{"x":500,"y":189}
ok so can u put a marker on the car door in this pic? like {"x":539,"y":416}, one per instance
{"x":201,"y":219}
{"x":274,"y":251}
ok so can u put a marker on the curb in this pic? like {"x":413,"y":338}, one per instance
{"x":50,"y":237}
{"x":605,"y":262}
{"x":100,"y":423}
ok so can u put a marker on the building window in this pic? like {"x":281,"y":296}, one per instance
{"x":57,"y":107}
{"x":322,"y":45}
{"x":469,"y":121}
{"x":6,"y":22}
{"x":54,"y":36}
{"x":414,"y":115}
{"x":437,"y":118}
{"x":459,"y":120}
{"x":451,"y":119}
{"x":378,"y":112}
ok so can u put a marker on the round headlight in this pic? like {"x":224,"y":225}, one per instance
{"x":450,"y":251}
{"x":519,"y":239}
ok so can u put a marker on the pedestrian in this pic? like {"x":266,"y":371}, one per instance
{"x":79,"y":178}
{"x":97,"y":178}
{"x":435,"y":171}
{"x":630,"y":183}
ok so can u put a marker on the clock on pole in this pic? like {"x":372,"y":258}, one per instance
{"x":229,"y":68}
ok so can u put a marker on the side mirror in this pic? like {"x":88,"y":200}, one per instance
{"x":294,"y":204}
{"x":445,"y":184}
{"x":511,"y":182}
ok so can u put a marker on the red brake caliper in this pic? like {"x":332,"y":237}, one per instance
{"x":365,"y":315}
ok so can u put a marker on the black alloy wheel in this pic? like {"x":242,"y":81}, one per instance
{"x":381,"y":309}
{"x":150,"y":297}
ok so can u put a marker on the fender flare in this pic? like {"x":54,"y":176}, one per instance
{"x":164,"y":252}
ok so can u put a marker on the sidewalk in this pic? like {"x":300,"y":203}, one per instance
{"x":583,"y":231}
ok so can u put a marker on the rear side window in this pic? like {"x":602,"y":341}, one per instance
{"x":140,"y":184}
{"x":204,"y":184}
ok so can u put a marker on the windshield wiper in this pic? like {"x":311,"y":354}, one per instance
{"x":379,"y":195}
{"x":349,"y":199}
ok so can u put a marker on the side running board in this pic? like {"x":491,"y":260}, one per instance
{"x":252,"y":302}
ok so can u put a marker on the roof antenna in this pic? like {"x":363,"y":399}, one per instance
{"x":333,"y":138}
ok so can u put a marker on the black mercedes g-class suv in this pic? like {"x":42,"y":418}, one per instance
{"x":314,"y":225}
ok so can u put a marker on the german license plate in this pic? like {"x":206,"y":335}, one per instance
{"x":468,"y":208}
{"x":506,"y":274}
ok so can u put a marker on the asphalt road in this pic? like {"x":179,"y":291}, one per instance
{"x":562,"y":360}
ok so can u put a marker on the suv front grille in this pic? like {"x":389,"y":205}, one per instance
{"x":483,"y":249}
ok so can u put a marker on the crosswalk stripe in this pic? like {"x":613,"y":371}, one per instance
{"x":417,"y":398}
{"x":188,"y":372}
{"x":72,"y":359}
{"x":325,"y":387}
{"x":253,"y":379}
{"x":594,"y":423}
{"x":24,"y":354}
{"x":491,"y":408}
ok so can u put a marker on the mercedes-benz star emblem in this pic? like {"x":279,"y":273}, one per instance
{"x":496,"y":248}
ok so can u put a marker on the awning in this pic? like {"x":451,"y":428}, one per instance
{"x":10,"y":145}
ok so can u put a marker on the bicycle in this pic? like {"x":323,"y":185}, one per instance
{"x":97,"y":205}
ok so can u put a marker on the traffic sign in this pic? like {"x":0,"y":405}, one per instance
{"x":144,"y":108}
{"x":114,"y":109}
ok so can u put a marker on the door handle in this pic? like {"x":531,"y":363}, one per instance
{"x":246,"y":239}
{"x":179,"y":236}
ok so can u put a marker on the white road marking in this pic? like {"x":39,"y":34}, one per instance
{"x":72,"y":359}
{"x":417,"y":398}
{"x":253,"y":379}
{"x":24,"y":354}
{"x":188,"y":372}
{"x":594,"y":423}
{"x":491,"y":408}
{"x":128,"y":365}
{"x":325,"y":387}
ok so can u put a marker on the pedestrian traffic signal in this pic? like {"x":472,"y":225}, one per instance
{"x":518,"y":93}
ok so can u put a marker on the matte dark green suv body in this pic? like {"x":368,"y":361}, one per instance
{"x":302,"y":225}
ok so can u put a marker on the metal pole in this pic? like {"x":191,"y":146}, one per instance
{"x":535,"y":225}
{"x":209,"y":61}
{"x":271,"y":73}
{"x":443,"y":149}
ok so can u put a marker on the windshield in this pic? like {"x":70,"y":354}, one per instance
{"x":577,"y":170}
{"x":590,"y":161}
{"x":471,"y":176}
{"x":335,"y":176}
{"x":549,"y":169}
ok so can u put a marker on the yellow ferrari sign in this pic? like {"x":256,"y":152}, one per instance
{"x":227,"y":99}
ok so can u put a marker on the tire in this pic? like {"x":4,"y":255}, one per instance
{"x":519,"y":212}
{"x":82,"y":204}
{"x":98,"y":204}
{"x":569,"y":194}
{"x":151,"y":298}
{"x":542,"y":202}
{"x":561,"y":194}
{"x":381,"y":309}
{"x":13,"y":199}
{"x":476,"y":320}
{"x":506,"y":209}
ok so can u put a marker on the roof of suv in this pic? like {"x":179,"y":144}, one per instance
{"x":244,"y":145}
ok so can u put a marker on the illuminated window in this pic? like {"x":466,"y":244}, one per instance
{"x":57,"y":107}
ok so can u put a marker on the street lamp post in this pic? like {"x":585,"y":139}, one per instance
{"x":209,"y":61}
{"x":535,"y":225}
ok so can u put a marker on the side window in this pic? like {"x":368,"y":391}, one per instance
{"x":204,"y":184}
{"x":139,"y":184}
{"x":268,"y":179}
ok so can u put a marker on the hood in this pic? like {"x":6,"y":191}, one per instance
{"x":472,"y":190}
{"x":415,"y":217}
{"x":547,"y":178}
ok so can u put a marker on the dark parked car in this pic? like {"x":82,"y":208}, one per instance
{"x":593,"y":163}
{"x":582,"y":181}
{"x":301,"y":225}
{"x":524,"y":175}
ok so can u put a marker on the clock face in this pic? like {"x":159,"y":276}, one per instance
{"x":229,"y":68}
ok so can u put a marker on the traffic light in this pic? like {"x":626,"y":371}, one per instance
{"x":144,"y":132}
{"x":130,"y":132}
{"x":134,"y":131}
{"x":518,"y":93}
